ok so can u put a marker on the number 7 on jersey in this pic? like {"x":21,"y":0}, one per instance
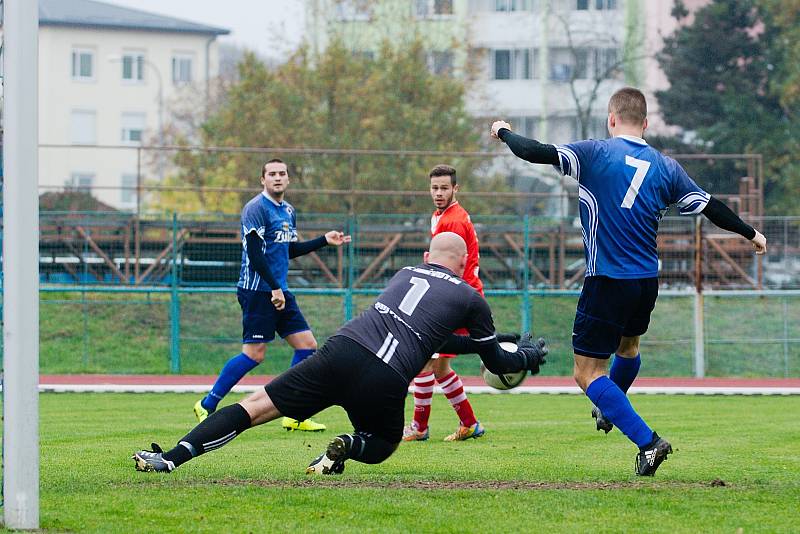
{"x":641,"y":167}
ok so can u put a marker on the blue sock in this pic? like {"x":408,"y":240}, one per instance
{"x":234,"y":370}
{"x":616,"y":407}
{"x":300,"y":355}
{"x":624,"y":371}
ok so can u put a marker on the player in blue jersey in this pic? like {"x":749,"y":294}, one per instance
{"x":625,"y":186}
{"x":269,"y":241}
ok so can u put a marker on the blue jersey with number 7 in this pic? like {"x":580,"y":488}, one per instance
{"x":625,"y":186}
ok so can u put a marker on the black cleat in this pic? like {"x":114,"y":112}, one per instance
{"x":153,"y":460}
{"x":600,"y":421}
{"x":650,"y":457}
{"x":331,"y":462}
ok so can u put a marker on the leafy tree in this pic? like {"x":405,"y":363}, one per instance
{"x":724,"y":71}
{"x":334,"y":101}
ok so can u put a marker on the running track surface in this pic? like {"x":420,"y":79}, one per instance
{"x":475,"y":384}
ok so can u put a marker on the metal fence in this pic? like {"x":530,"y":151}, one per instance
{"x":141,"y":179}
{"x":154,"y":295}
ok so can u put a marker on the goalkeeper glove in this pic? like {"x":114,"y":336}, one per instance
{"x":533,"y":351}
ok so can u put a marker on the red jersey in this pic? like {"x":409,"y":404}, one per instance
{"x":455,"y":219}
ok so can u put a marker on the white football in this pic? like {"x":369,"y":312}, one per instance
{"x":507,"y":380}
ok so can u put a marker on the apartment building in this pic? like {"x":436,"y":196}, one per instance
{"x":547,"y":66}
{"x":106,"y":77}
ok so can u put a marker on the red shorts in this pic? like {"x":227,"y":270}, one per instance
{"x":460,"y":332}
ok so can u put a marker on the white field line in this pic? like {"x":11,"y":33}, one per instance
{"x":547,"y":390}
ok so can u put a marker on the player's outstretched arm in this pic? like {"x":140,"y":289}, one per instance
{"x":721,"y":215}
{"x":524,"y":148}
{"x":301,"y":248}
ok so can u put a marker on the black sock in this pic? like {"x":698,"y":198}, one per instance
{"x":218,"y":429}
{"x":367,"y":448}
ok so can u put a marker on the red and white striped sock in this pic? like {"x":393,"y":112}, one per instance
{"x":423,"y":391}
{"x":454,"y":391}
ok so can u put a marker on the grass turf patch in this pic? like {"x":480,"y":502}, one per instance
{"x":540,"y":467}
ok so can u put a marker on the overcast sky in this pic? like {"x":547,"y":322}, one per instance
{"x":270,"y":27}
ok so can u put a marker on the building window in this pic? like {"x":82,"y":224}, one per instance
{"x":428,"y":8}
{"x":83,"y":127}
{"x":598,"y":5}
{"x":80,"y":181}
{"x":581,"y":63}
{"x":605,"y":4}
{"x":527,"y":126}
{"x":442,"y":7}
{"x":128,"y":190}
{"x":440,"y":62}
{"x":606,"y":62}
{"x":567,"y":64}
{"x":133,"y":125}
{"x":82,"y":64}
{"x":181,"y":69}
{"x":133,"y":66}
{"x":502,"y":64}
{"x":353,"y":10}
{"x":513,"y":5}
{"x":516,"y":64}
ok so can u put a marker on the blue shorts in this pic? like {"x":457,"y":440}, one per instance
{"x":260,"y":319}
{"x":610,"y":308}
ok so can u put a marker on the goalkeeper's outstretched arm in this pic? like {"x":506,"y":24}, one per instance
{"x":529,"y":354}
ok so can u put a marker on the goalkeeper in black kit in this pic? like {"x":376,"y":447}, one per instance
{"x":367,"y":365}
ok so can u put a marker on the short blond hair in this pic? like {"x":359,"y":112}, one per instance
{"x":629,"y":105}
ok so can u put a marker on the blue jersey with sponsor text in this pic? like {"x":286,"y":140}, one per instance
{"x":275,"y":224}
{"x":625,"y":186}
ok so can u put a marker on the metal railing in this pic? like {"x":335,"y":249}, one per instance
{"x":168,"y":286}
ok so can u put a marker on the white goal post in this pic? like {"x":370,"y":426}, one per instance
{"x":20,"y":265}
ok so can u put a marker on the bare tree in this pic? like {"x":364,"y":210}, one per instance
{"x":599,"y":58}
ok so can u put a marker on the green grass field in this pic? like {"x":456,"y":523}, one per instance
{"x":540,"y":468}
{"x":131,"y":333}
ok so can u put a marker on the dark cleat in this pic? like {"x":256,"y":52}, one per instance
{"x":331,"y":462}
{"x":650,"y":457}
{"x":152,"y":460}
{"x":600,"y":421}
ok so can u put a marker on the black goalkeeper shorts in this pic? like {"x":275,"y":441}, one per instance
{"x":343,"y":373}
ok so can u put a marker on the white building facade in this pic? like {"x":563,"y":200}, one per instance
{"x":106,"y":76}
{"x":546,"y":66}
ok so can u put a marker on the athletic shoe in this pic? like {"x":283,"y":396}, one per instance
{"x":330,"y":462}
{"x":152,"y":460}
{"x":600,"y":421}
{"x":463,"y":433}
{"x":650,"y":457}
{"x":200,"y":412}
{"x":304,"y":426}
{"x":410,"y":433}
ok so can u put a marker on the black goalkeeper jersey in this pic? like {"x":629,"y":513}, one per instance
{"x":419,"y":309}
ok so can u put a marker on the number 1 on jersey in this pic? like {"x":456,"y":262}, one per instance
{"x":419,"y":286}
{"x":641,"y":167}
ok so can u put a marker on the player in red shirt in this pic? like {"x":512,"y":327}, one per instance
{"x":448,"y":217}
